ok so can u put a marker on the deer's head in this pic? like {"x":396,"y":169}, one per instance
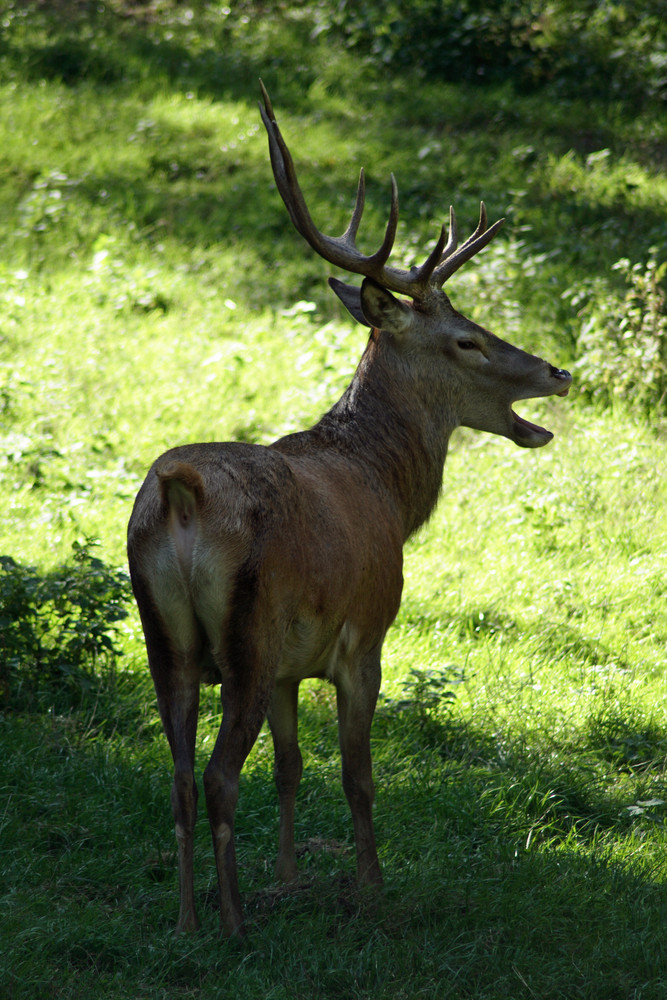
{"x":484,"y":374}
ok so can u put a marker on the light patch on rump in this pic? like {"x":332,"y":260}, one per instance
{"x":190,"y":606}
{"x":210,"y":590}
{"x":171,"y":594}
{"x":193,"y":579}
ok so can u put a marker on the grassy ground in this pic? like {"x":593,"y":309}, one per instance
{"x":153,"y":293}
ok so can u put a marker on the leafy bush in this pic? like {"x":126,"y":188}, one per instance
{"x":622,"y":343}
{"x":55,"y":629}
{"x":427,"y":694}
{"x":585,"y":46}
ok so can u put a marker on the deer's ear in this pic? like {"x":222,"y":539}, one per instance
{"x":384,"y":311}
{"x":350,"y":296}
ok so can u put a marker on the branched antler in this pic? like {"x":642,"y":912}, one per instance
{"x":418,"y":282}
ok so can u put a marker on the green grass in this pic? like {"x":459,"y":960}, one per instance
{"x":153,"y":293}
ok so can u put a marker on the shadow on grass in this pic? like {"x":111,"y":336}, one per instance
{"x":498,"y":856}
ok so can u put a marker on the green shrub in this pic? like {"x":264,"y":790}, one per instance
{"x":428,"y":694}
{"x":583,"y":47}
{"x":56,"y":628}
{"x":622,"y":343}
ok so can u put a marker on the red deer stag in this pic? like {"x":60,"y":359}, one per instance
{"x":255,"y":567}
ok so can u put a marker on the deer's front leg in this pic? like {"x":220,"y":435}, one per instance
{"x":355,"y":715}
{"x":288,"y":768}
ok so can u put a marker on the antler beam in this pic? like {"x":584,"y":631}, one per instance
{"x":342,"y":251}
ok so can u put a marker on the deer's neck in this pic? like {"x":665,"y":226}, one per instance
{"x":387,"y":423}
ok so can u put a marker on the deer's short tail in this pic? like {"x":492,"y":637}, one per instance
{"x":182,"y":491}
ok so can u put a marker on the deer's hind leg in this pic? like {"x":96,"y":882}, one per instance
{"x":247,"y":678}
{"x":176,"y":679}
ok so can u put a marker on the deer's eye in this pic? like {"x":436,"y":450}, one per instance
{"x":467,"y":345}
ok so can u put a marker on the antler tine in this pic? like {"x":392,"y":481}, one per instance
{"x":481,"y":227}
{"x":420,"y":277}
{"x":379,"y":258}
{"x":350,"y":233}
{"x":479,"y":239}
{"x":284,"y":173}
{"x":453,"y":236}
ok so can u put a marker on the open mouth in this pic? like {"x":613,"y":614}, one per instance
{"x":530,"y":435}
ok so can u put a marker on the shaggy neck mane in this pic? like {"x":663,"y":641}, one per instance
{"x":384,"y":425}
